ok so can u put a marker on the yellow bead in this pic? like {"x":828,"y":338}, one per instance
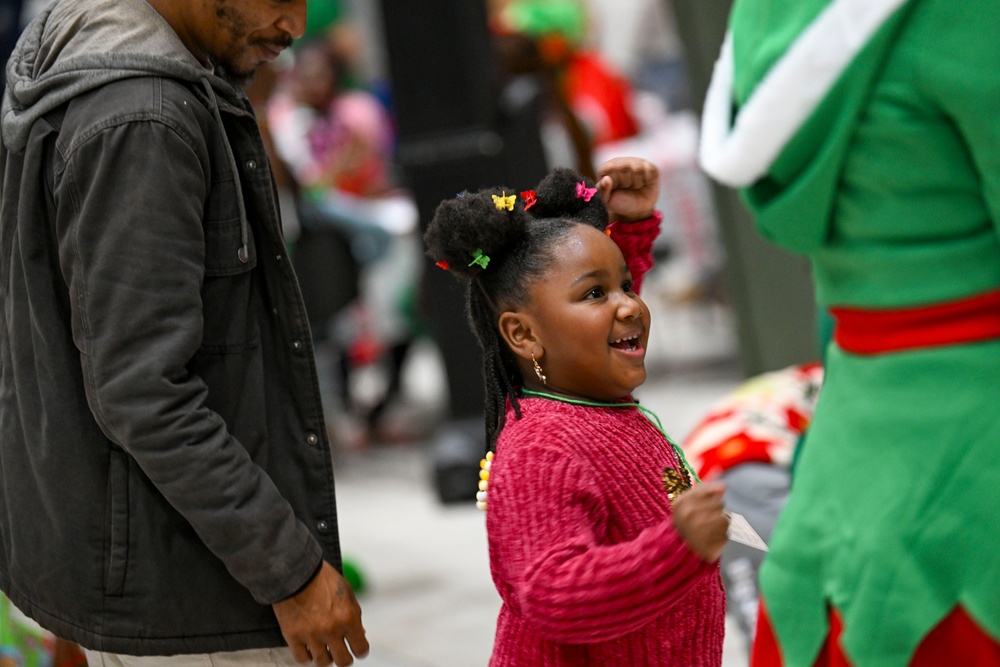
{"x":489,"y":456}
{"x":484,"y":474}
{"x":482,"y":485}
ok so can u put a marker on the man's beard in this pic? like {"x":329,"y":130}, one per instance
{"x":237,"y":80}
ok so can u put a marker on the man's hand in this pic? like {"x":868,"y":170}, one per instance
{"x":322,"y":623}
{"x":630,"y":187}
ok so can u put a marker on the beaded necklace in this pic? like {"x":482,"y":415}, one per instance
{"x":674,"y":481}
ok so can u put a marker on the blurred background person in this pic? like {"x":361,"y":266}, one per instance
{"x":10,"y":28}
{"x":338,"y":142}
{"x":586,"y":100}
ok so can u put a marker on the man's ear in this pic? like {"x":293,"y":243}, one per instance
{"x":516,"y":330}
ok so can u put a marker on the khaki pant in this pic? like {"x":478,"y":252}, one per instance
{"x":277,"y":657}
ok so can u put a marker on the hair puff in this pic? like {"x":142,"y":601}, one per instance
{"x":557,"y":199}
{"x":472,"y":222}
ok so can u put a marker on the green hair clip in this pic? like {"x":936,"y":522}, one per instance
{"x":479,"y":258}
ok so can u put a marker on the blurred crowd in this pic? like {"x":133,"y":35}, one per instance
{"x":613,"y":83}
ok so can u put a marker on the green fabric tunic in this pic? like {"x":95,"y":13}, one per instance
{"x":892,"y":188}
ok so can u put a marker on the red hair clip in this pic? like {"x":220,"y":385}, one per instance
{"x":530,"y":198}
{"x":442,"y":265}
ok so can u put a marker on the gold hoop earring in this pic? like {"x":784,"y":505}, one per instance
{"x":538,"y":369}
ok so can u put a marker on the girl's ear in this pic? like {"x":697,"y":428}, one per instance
{"x":516,"y":331}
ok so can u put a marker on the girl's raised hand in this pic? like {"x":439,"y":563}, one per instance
{"x":630,"y":187}
{"x":699,"y":518}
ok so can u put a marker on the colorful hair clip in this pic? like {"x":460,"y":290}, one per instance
{"x":479,"y":258}
{"x":530,"y":198}
{"x":504,"y":201}
{"x":583,"y":192}
{"x":442,"y":265}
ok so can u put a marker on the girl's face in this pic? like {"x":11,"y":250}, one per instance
{"x":588,"y":324}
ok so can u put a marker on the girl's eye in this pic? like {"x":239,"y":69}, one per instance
{"x":595,"y":293}
{"x":627,"y":286}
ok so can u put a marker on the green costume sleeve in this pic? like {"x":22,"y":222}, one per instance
{"x":959,"y":73}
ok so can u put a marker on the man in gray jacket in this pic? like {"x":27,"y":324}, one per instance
{"x":166,"y":486}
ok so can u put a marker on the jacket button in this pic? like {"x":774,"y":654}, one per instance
{"x":323,"y":526}
{"x":312,"y":439}
{"x":297,"y":345}
{"x":251,"y":164}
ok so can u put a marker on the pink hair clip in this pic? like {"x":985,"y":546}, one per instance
{"x":530,"y":198}
{"x":583,"y":192}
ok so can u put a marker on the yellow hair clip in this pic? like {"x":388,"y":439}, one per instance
{"x":504,"y":201}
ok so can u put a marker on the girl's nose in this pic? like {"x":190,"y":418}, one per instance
{"x":629,"y":307}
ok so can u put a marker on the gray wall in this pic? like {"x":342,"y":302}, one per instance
{"x":770,"y":289}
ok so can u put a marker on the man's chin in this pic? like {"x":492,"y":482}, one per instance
{"x":238,"y":79}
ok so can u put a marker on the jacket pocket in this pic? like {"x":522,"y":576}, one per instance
{"x":228,"y":291}
{"x":223,"y":243}
{"x":116,"y":552}
{"x":225,"y":231}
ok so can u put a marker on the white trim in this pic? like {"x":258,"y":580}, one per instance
{"x":788,"y":94}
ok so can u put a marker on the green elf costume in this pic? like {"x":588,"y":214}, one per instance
{"x":866,"y":135}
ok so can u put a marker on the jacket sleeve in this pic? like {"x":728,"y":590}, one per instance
{"x":131,"y":244}
{"x":635,"y":239}
{"x":543,"y":534}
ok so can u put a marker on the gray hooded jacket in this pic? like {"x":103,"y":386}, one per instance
{"x":164,"y":469}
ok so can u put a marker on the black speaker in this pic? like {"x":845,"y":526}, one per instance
{"x":464,"y":124}
{"x":440,"y":65}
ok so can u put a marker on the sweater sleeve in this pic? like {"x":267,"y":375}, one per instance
{"x":635,"y":239}
{"x":545,"y":522}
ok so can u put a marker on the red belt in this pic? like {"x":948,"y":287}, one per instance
{"x":868,"y":331}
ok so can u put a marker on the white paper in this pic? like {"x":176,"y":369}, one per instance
{"x":741,"y":531}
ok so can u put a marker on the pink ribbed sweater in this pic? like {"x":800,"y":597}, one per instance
{"x":583,"y":550}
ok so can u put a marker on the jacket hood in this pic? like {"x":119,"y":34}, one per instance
{"x":785,"y":96}
{"x":74,"y":46}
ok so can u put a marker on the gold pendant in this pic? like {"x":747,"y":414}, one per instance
{"x":674,"y":483}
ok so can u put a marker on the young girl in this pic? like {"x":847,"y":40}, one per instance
{"x":598,"y":556}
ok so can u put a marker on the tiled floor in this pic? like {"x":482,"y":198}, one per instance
{"x":429,"y":600}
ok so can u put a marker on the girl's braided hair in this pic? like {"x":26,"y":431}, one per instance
{"x":519,"y":246}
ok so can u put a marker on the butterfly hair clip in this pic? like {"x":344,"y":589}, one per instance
{"x":478,"y":258}
{"x":530,"y":198}
{"x":583,"y":192}
{"x":504,"y":201}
